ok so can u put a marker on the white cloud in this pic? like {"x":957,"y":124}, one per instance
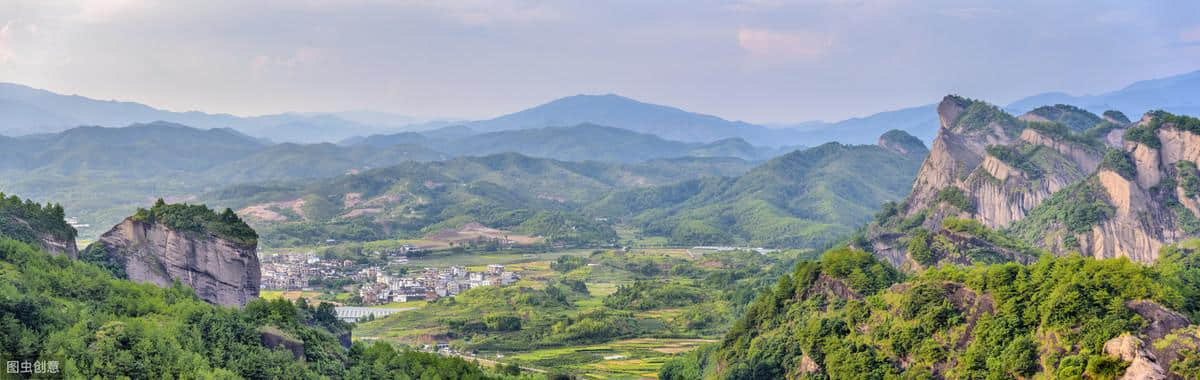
{"x":784,"y":46}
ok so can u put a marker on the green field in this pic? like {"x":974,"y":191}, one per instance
{"x":630,"y":358}
{"x":635,"y":332}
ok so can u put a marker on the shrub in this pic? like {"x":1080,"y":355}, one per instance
{"x":1119,"y":162}
{"x":1189,"y":179}
{"x":1012,"y":157}
{"x":1145,"y":135}
{"x":954,"y":196}
{"x":919,"y":247}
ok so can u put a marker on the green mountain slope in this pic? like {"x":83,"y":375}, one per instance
{"x":509,"y":191}
{"x":136,"y":151}
{"x":295,"y":161}
{"x":583,"y":142}
{"x":807,"y":198}
{"x":102,"y":174}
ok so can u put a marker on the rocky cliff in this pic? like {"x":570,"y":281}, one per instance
{"x":1132,"y":187}
{"x":222,"y":269}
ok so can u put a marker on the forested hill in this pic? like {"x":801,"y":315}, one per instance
{"x":850,"y":316}
{"x":807,"y":198}
{"x":583,"y":142}
{"x":508,"y":191}
{"x":100,"y":175}
{"x":161,"y":149}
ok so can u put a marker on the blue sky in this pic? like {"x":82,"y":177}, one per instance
{"x":754,"y":60}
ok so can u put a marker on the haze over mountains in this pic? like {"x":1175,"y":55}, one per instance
{"x":25,"y":110}
{"x":1175,"y":94}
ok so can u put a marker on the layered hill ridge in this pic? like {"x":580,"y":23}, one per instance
{"x":214,"y":254}
{"x":1058,"y":178}
{"x":807,"y":198}
{"x":582,"y":142}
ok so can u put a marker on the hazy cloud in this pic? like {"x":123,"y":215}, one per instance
{"x":784,"y":46}
{"x":756,"y":60}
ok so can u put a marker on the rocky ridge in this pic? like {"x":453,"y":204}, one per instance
{"x":1128,"y":188}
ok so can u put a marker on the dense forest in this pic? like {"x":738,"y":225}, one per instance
{"x":807,"y":198}
{"x":849,"y":316}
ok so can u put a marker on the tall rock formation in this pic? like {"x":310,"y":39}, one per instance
{"x":213,"y":254}
{"x":1058,"y":179}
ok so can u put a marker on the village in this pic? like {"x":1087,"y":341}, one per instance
{"x":377,"y":284}
{"x":431,"y":284}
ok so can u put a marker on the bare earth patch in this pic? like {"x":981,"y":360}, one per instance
{"x":475,"y":231}
{"x":263,"y":212}
{"x":351,"y":200}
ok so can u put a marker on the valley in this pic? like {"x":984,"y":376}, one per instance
{"x":1057,"y":243}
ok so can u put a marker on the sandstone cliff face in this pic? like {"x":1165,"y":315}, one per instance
{"x":220,"y":271}
{"x":1129,"y":232}
{"x":1086,"y":159}
{"x":1000,"y":192}
{"x":1005,"y":170}
{"x":1012,"y":193}
{"x":954,"y":154}
{"x":59,"y":246}
{"x":1143,"y":222}
{"x":1177,"y":146}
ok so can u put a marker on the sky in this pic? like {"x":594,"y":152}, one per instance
{"x":754,"y":60}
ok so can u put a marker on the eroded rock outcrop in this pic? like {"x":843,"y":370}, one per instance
{"x":220,"y":269}
{"x":1143,"y":365}
{"x":1006,"y":172}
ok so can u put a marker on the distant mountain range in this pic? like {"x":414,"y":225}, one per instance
{"x":583,"y":142}
{"x":618,"y":111}
{"x":25,"y":110}
{"x":1175,"y":94}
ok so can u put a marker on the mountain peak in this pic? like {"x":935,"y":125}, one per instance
{"x":626,"y":113}
{"x":902,"y":142}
